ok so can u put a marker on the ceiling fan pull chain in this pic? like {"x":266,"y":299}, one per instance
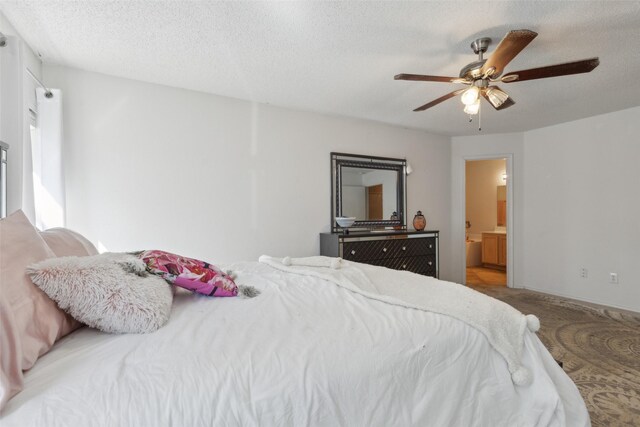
{"x":480,"y":117}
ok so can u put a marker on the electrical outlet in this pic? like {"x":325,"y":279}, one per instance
{"x":613,"y":278}
{"x":583,"y":273}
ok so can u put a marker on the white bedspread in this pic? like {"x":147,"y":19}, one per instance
{"x":305,"y":352}
{"x":503,"y":325}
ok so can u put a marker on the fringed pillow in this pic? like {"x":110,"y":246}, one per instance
{"x":110,"y":292}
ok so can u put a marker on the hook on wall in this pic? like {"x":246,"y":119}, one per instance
{"x":3,"y":40}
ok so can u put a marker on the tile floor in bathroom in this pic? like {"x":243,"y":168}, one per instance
{"x":486,"y":276}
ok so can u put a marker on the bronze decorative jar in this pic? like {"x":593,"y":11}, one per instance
{"x":419,"y":221}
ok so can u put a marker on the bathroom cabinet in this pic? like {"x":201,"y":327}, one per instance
{"x":494,"y":250}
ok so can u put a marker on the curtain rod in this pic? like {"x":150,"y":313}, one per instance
{"x":47,"y":92}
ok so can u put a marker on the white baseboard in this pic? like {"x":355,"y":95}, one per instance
{"x":560,"y":294}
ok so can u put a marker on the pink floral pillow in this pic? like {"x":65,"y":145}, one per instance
{"x":196,"y":276}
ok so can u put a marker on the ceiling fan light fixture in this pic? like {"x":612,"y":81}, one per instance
{"x":496,"y":96}
{"x":470,"y":95}
{"x":472,"y":109}
{"x":481,"y":74}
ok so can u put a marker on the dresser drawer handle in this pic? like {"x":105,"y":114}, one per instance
{"x":353,"y":252}
{"x":430,"y":263}
{"x":384,"y":249}
{"x":404,"y":248}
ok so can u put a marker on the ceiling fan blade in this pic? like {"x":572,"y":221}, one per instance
{"x":576,"y":67}
{"x":498,"y":98}
{"x":439,"y":100}
{"x":508,"y":48}
{"x":423,"y":78}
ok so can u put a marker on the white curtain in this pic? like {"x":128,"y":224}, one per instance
{"x":48,"y":176}
{"x":12,"y":122}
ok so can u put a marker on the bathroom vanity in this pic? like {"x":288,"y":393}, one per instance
{"x":494,"y":250}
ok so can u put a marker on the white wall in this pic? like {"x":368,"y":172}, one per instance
{"x":576,"y":204}
{"x":582,"y":196}
{"x":17,"y":95}
{"x":149,"y":166}
{"x":389,"y":182}
{"x":354,"y":201}
{"x":482,"y":179}
{"x":354,"y":197}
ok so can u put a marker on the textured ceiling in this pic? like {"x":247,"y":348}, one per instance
{"x":340,"y":57}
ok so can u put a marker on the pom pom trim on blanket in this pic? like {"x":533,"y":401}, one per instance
{"x":247,"y":291}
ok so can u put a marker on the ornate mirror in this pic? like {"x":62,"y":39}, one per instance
{"x":371,"y":189}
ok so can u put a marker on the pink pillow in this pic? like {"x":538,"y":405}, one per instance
{"x":65,"y":242}
{"x":192,"y":274}
{"x":30,"y":322}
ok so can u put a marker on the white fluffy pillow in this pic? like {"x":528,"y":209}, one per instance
{"x":110,"y":292}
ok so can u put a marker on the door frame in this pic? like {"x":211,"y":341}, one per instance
{"x":510,"y":197}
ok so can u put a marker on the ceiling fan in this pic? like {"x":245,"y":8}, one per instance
{"x":481,"y":75}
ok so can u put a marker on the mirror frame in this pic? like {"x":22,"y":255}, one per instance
{"x":340,"y":160}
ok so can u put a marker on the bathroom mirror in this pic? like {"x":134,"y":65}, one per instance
{"x":369,"y":188}
{"x":502,"y":206}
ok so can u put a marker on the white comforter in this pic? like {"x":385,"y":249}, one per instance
{"x":305,"y":352}
{"x":503,"y":325}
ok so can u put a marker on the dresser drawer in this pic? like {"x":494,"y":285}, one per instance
{"x":388,"y":248}
{"x":420,"y":246}
{"x":370,"y":249}
{"x":425,"y":264}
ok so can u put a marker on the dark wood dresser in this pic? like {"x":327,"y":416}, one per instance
{"x":415,"y":251}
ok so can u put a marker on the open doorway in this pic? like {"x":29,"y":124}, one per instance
{"x":486,"y":201}
{"x":374,"y":202}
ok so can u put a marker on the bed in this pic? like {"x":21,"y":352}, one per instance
{"x":305,"y":352}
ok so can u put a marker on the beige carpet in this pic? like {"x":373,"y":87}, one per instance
{"x":599,"y":347}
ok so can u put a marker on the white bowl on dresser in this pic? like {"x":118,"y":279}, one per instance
{"x":345,"y":221}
